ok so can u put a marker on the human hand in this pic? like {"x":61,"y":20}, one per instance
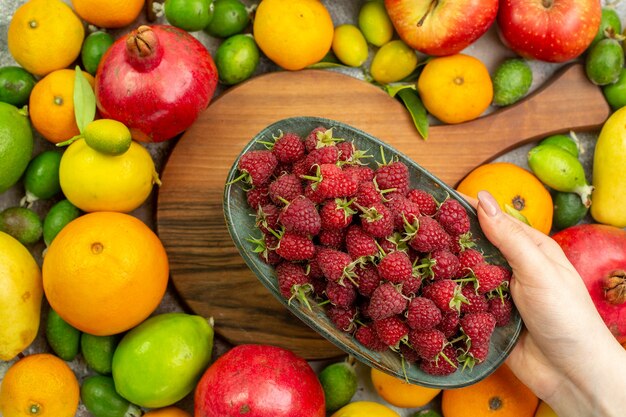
{"x":567,"y":355}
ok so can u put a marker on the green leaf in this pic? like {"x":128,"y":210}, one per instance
{"x":516,"y":213}
{"x":393,"y":88}
{"x":414,"y":105}
{"x":84,"y":101}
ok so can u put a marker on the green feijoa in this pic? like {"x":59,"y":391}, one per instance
{"x":511,"y":81}
{"x":604,"y":62}
{"x":22,"y":223}
{"x":568,"y":210}
{"x":98,"y":351}
{"x":98,"y":394}
{"x":15,"y":85}
{"x":375,"y":23}
{"x":349,"y":45}
{"x":560,"y":170}
{"x":562,"y":141}
{"x":41,"y":179}
{"x":189,"y":15}
{"x":615,"y":93}
{"x":63,"y":338}
{"x":57,"y":218}
{"x":94,"y":47}
{"x":236,"y":59}
{"x":339,"y":382}
{"x":610,"y":24}
{"x":229,"y":18}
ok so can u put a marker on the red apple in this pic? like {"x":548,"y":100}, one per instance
{"x":598,"y":252}
{"x":549,"y":30}
{"x":438,"y":27}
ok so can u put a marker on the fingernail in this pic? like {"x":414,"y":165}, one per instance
{"x":488,"y":203}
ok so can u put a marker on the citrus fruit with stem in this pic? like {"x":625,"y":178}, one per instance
{"x":16,"y":144}
{"x":51,"y":105}
{"x":105,"y":272}
{"x":108,"y":13}
{"x":39,"y":385}
{"x":44,"y":36}
{"x":517,"y":191}
{"x":94,"y":181}
{"x":400,"y":393}
{"x":455,"y":88}
{"x":108,"y":136}
{"x":293,"y":33}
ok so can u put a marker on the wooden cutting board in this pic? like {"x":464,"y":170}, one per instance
{"x":206,"y":268}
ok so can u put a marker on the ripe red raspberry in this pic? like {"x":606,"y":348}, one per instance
{"x":478,"y":327}
{"x":313,"y":194}
{"x":301,"y":216}
{"x":422,"y":314}
{"x":258,"y":197}
{"x":325,"y":155}
{"x":295,"y":247}
{"x":257,"y":167}
{"x":267,"y":218}
{"x":476,"y":303}
{"x":377,"y":221}
{"x":501,"y":309}
{"x":403,"y":210}
{"x":428,"y":343}
{"x":361,"y":173}
{"x":265,"y":247}
{"x":453,"y":217}
{"x":288,"y":148}
{"x":360,"y":244}
{"x":282,"y":169}
{"x":286,"y":187}
{"x":367,"y":194}
{"x":368,"y":338}
{"x":408,"y":354}
{"x":342,"y":318}
{"x":341,"y":295}
{"x":424,"y":200}
{"x":445,"y":293}
{"x":470,"y":257}
{"x":475,"y":355}
{"x":446,"y":264}
{"x":300,"y":167}
{"x":393,"y":175}
{"x":368,"y":279}
{"x":333,"y":239}
{"x":313,"y":269}
{"x":449,"y":324}
{"x":411,"y":285}
{"x":335,"y":265}
{"x":386,"y":301}
{"x":446,"y":364}
{"x":346,"y":150}
{"x":336,"y":214}
{"x":430,"y":236}
{"x":318,"y":137}
{"x":391,"y":330}
{"x":395,"y":267}
{"x":331,"y":182}
{"x":488,"y":277}
{"x":293,"y":282}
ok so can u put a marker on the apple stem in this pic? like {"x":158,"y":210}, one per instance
{"x":431,"y":6}
{"x":615,"y":287}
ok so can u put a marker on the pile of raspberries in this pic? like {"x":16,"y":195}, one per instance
{"x":391,"y":265}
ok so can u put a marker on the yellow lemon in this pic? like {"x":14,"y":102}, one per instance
{"x":365,"y":409}
{"x":94,"y":181}
{"x":293,"y":33}
{"x":399,"y":393}
{"x":45,"y":35}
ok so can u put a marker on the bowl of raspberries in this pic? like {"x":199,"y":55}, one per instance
{"x":372,"y":251}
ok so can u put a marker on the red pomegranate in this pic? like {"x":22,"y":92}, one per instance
{"x":598,"y":252}
{"x":259,"y":381}
{"x":156,"y":80}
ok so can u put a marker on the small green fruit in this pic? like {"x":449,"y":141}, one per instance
{"x":236,"y":59}
{"x":41,"y":179}
{"x":349,"y":45}
{"x":511,"y":82}
{"x":339,"y":382}
{"x":568,"y":210}
{"x":604,"y":62}
{"x":21,"y":223}
{"x":98,"y":394}
{"x":562,"y":141}
{"x":610,"y":22}
{"x":57,"y":218}
{"x":63,"y":338}
{"x":98,"y":351}
{"x":108,"y":136}
{"x":375,"y":23}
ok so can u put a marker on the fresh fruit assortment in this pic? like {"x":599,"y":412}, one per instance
{"x":394,"y":266}
{"x":350,"y":223}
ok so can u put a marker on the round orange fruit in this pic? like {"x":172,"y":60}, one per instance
{"x":517,"y":191}
{"x":455,"y":88}
{"x":167,"y":412}
{"x":40,"y":385}
{"x":108,"y":13}
{"x":400,"y":393}
{"x":105,"y":272}
{"x":501,"y":394}
{"x":51,"y":105}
